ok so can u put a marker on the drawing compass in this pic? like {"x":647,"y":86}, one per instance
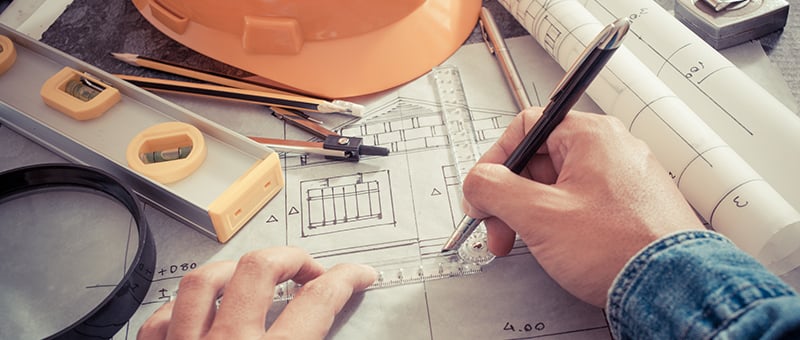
{"x":333,"y":146}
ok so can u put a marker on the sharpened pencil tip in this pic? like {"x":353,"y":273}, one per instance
{"x":341,"y":106}
{"x":126,"y":57}
{"x":349,"y":108}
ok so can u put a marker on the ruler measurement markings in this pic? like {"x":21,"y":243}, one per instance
{"x":457,"y":119}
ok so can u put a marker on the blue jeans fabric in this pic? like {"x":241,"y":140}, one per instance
{"x":698,"y":285}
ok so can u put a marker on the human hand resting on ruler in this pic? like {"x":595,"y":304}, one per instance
{"x":597,"y":196}
{"x":248,"y":288}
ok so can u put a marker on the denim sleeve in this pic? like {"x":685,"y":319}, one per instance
{"x":698,"y":285}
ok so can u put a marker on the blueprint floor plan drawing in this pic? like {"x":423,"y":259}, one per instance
{"x":382,"y":211}
{"x":399,"y":208}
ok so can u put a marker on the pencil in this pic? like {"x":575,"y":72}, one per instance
{"x":215,"y":78}
{"x":247,"y":96}
{"x":194,"y":73}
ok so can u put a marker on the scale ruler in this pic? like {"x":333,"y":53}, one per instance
{"x":469,"y":260}
{"x":457,"y":118}
{"x":402,"y":272}
{"x":396,"y":272}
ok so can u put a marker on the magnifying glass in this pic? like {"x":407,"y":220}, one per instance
{"x":77,"y":254}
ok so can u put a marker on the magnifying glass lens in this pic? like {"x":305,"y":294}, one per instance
{"x":63,"y":250}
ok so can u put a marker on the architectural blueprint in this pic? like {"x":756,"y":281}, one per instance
{"x":391,"y":208}
{"x":402,"y":207}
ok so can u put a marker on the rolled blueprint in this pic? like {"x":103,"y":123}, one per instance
{"x":725,"y":141}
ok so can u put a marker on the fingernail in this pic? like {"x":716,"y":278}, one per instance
{"x":370,"y":269}
{"x":466,"y":207}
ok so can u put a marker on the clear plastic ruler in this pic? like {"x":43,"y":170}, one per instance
{"x":457,"y":118}
{"x":402,"y":272}
{"x":474,"y":253}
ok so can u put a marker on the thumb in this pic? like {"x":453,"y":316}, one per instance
{"x":493,"y":190}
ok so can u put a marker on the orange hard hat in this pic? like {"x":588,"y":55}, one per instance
{"x":332,"y":48}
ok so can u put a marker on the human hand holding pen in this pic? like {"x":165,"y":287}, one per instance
{"x":577,"y":79}
{"x":588,"y":201}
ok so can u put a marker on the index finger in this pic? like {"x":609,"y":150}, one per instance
{"x":311,"y":313}
{"x":512,"y":136}
{"x":250,"y":292}
{"x":540,"y":167}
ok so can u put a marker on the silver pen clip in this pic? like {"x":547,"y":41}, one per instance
{"x":485,"y":36}
{"x":609,"y":38}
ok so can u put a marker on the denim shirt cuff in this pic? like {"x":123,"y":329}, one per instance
{"x":690,"y":284}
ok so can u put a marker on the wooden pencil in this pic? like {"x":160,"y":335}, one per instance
{"x":248,"y":96}
{"x":208,"y":76}
{"x":194,"y":73}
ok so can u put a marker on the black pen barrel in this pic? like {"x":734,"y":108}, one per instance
{"x":557,"y":109}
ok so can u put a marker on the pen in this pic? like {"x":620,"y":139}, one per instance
{"x":497,"y":46}
{"x":566,"y":93}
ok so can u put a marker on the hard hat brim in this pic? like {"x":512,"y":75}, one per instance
{"x":346,"y":67}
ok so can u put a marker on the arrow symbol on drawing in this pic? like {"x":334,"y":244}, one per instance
{"x":293,"y":211}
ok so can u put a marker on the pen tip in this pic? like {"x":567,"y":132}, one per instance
{"x":450,"y":246}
